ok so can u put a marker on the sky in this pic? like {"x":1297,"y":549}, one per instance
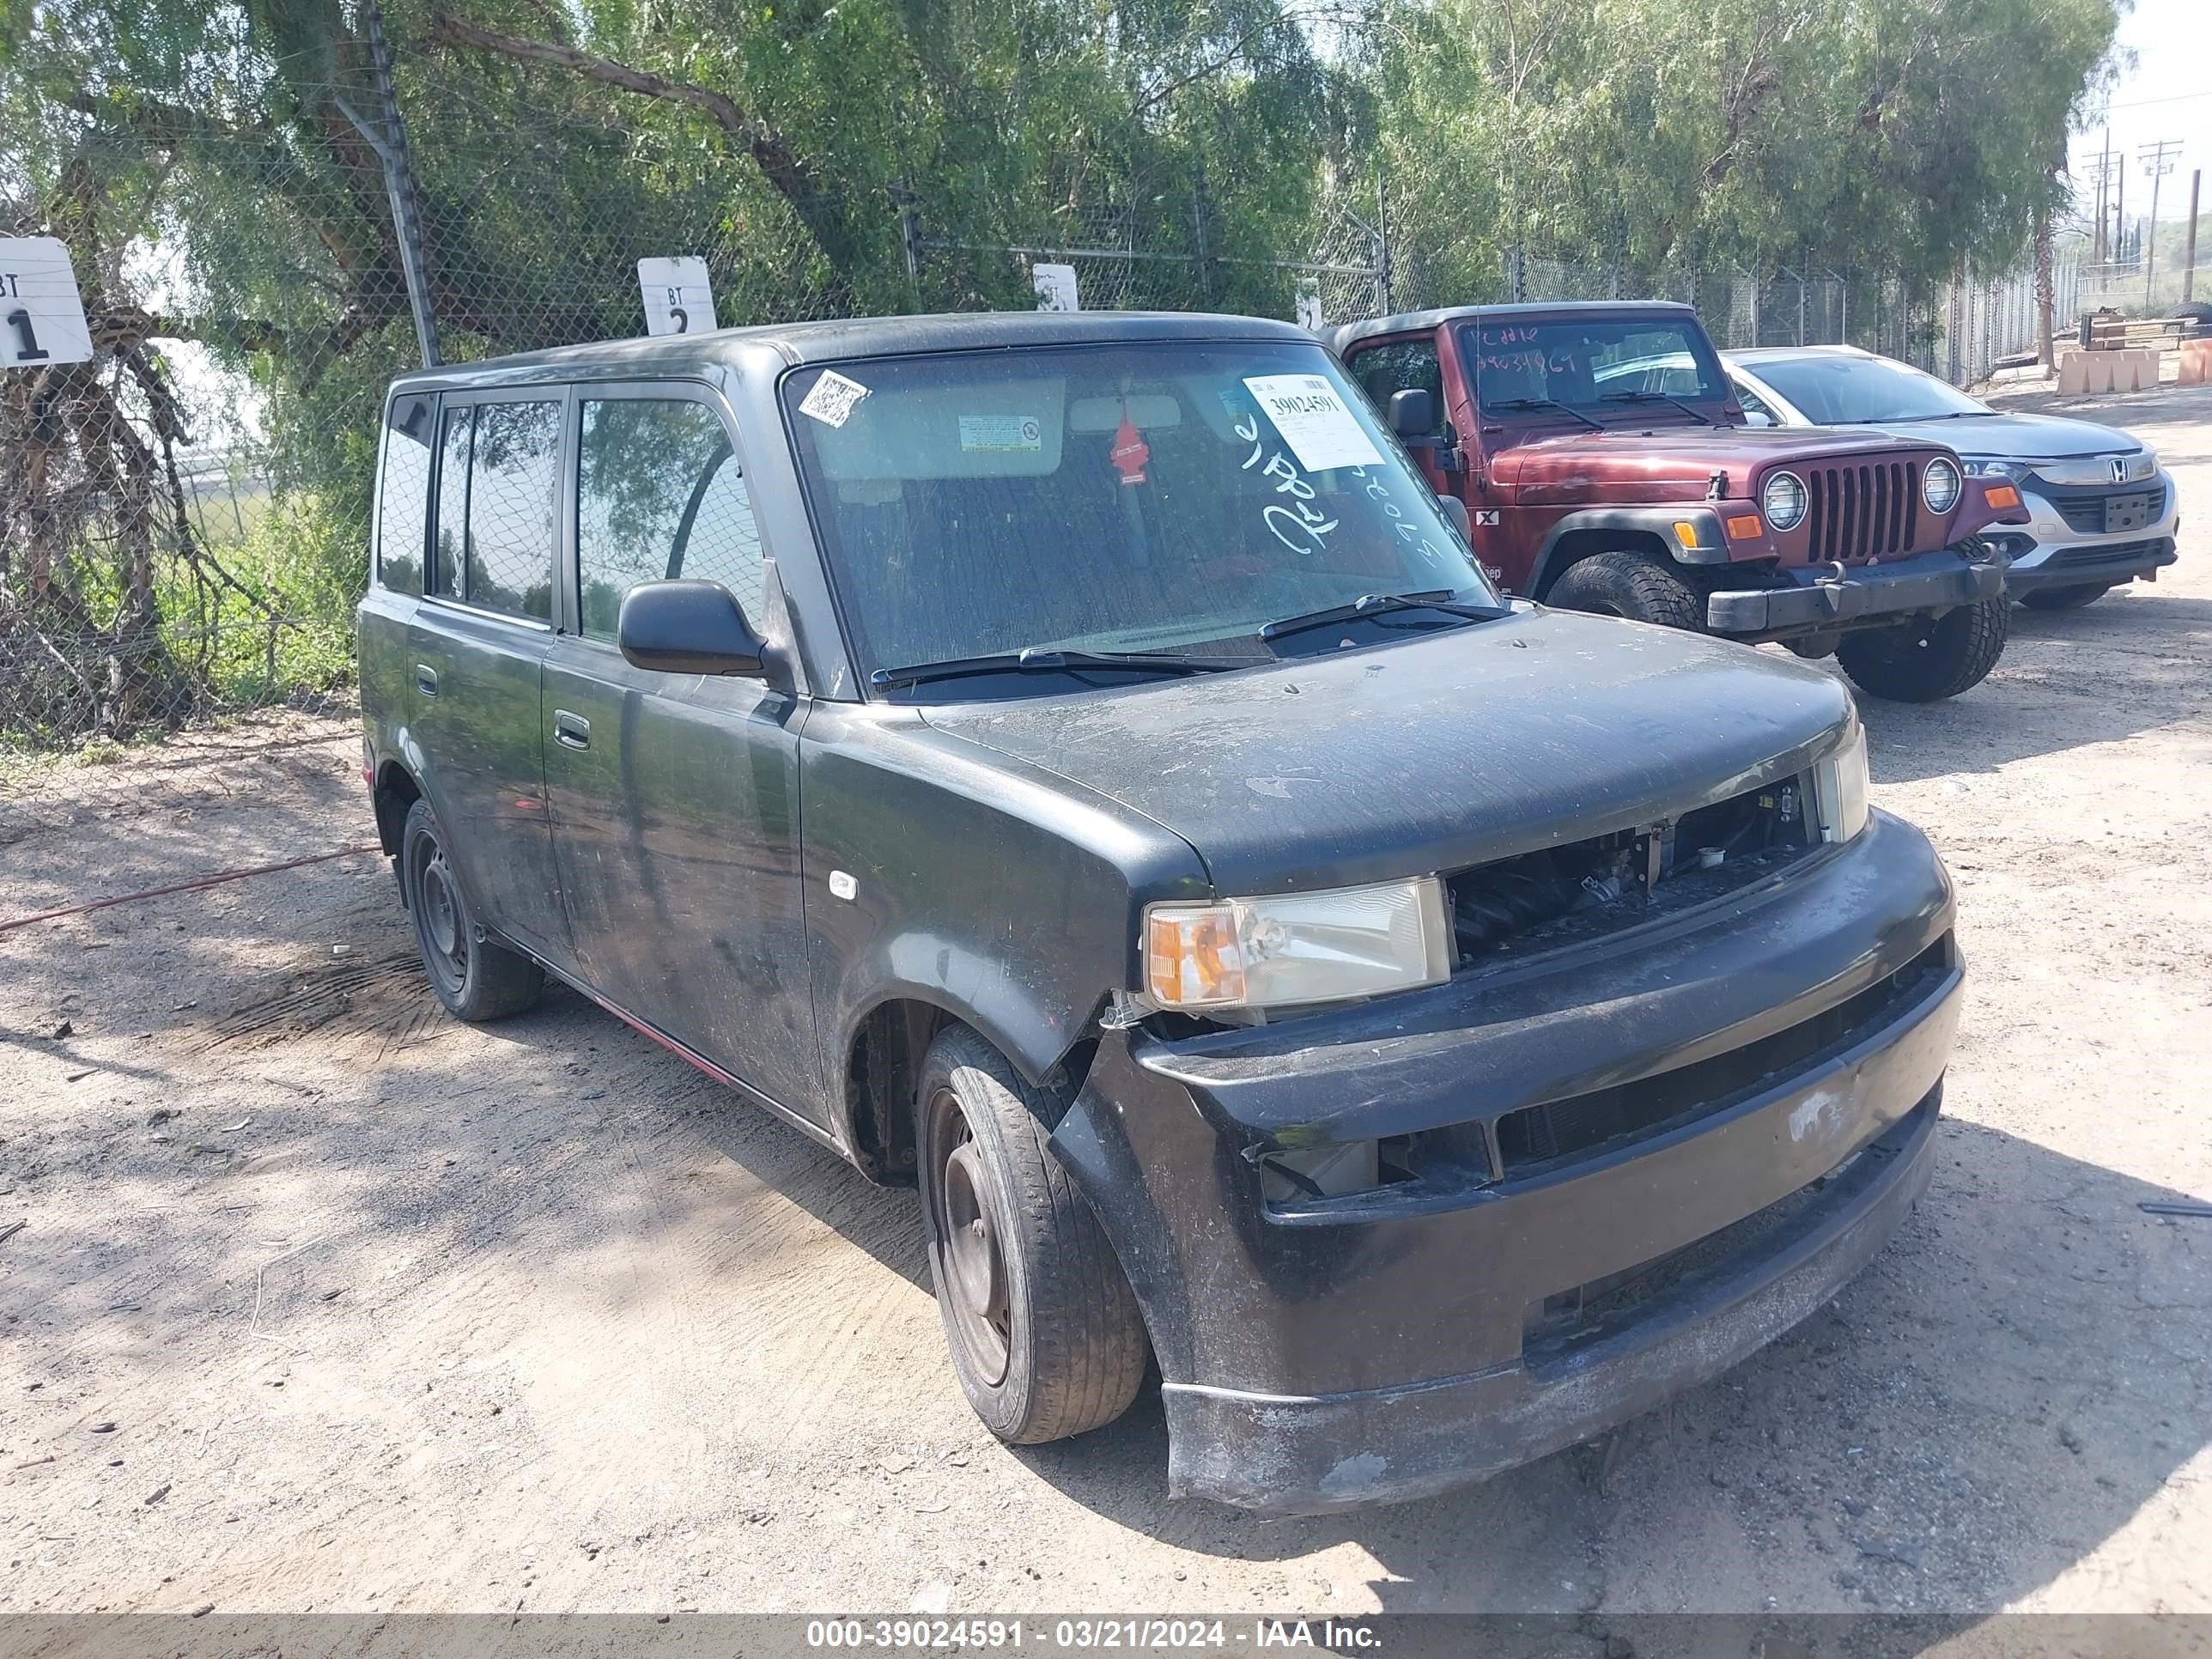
{"x":2164,"y":94}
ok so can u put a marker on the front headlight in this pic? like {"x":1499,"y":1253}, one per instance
{"x":1939,"y":486}
{"x":1784,"y":499}
{"x":2012,"y":471}
{"x":2142,"y":464}
{"x":1297,"y":947}
{"x":1839,"y":789}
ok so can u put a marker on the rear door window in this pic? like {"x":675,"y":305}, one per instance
{"x":659,"y":495}
{"x":498,"y":466}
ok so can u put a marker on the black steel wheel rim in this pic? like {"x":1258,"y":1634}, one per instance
{"x":442,"y":918}
{"x":964,"y":1240}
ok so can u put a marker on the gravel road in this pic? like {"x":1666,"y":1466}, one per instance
{"x":326,"y":1303}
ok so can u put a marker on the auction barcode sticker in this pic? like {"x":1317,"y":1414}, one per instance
{"x":1313,"y":419}
{"x":833,"y":398}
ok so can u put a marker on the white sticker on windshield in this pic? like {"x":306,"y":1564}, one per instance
{"x":833,"y":399}
{"x":1002,"y":435}
{"x":1313,"y":420}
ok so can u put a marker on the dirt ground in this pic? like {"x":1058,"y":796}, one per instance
{"x":327,"y":1302}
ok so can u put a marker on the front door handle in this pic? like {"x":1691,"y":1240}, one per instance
{"x":426,"y":679}
{"x":571,"y":729}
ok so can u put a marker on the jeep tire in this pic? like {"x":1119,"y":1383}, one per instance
{"x":1640,"y":587}
{"x":2065,"y":599}
{"x":1928,"y":658}
{"x":475,"y":976}
{"x":1046,"y":1338}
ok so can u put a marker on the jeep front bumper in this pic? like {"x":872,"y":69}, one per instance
{"x":1832,"y":599}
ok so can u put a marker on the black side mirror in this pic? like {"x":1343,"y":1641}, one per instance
{"x":1456,"y":510}
{"x":1414,"y":413}
{"x":687,"y":628}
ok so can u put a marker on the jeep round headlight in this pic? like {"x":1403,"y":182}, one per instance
{"x":1939,"y":486}
{"x":1785,"y":500}
{"x":1297,"y":947}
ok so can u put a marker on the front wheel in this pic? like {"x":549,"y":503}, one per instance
{"x":474,"y":977}
{"x":1046,"y":1338}
{"x":2065,"y":599}
{"x":1637,"y":586}
{"x":1928,"y":658}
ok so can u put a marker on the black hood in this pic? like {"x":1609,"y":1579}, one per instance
{"x":1451,"y":749}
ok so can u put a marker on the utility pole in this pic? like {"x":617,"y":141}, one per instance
{"x":2188,"y":264}
{"x":2157,"y":162}
{"x":2101,"y":163}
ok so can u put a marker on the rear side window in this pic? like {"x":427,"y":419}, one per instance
{"x":403,"y":508}
{"x":497,"y":467}
{"x":513,"y":469}
{"x":1402,"y":366}
{"x":659,"y":495}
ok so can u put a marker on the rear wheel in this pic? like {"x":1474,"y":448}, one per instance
{"x":1045,"y":1333}
{"x":2065,"y":599}
{"x":1928,"y":658}
{"x":474,"y":977}
{"x":1637,"y":586}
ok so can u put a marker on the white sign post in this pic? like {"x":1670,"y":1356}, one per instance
{"x":41,"y":317}
{"x":1309,"y":304}
{"x":1055,"y":287}
{"x":679,"y":298}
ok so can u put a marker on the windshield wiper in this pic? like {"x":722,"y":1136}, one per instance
{"x":1369,"y":604}
{"x":1549,"y":402}
{"x":1054,"y":658}
{"x":1657,"y":397}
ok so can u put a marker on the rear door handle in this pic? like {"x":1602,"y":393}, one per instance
{"x":573,"y":730}
{"x":426,"y":679}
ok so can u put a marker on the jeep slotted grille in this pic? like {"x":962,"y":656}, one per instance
{"x":1864,"y":511}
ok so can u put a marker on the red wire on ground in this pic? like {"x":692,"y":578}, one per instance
{"x":183,"y":887}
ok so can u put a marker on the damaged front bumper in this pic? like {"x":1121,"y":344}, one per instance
{"x":1830,"y":598}
{"x":1334,"y":1352}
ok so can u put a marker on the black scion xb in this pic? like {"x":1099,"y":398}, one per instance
{"x":1074,"y":763}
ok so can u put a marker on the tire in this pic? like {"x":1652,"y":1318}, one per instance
{"x":1927,"y":660}
{"x":2065,"y":599}
{"x":476,"y":978}
{"x":1637,"y":586}
{"x":1044,"y":1330}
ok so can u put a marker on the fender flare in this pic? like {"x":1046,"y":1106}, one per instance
{"x":1710,"y":548}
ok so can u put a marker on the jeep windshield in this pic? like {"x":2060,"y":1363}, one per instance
{"x":1596,"y":369}
{"x":1026,"y":521}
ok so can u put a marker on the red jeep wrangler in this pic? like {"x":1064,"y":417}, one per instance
{"x":1605,"y":465}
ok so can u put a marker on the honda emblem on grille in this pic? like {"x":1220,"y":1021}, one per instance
{"x":2119,"y":469}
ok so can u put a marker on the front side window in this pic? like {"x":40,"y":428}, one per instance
{"x":1402,"y":366}
{"x":1846,"y":390}
{"x":403,"y":505}
{"x":660,"y":495}
{"x":1595,"y":366}
{"x":458,"y":426}
{"x":1157,"y":498}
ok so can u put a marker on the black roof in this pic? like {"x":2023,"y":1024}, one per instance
{"x":859,"y":337}
{"x":1406,"y":322}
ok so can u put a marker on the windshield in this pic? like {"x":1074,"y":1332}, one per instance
{"x":1593,"y":364}
{"x":1169,"y":497}
{"x":1843,"y":391}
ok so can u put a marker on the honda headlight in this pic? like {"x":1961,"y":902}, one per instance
{"x":1939,"y":486}
{"x":1785,"y":500}
{"x":1839,"y":789}
{"x":2011,"y":471}
{"x":1297,"y":947}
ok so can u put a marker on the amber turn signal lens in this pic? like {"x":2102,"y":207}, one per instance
{"x":2003,"y":495}
{"x":1744,"y":527}
{"x":1193,"y":956}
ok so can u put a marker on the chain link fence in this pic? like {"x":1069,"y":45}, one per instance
{"x":183,"y":519}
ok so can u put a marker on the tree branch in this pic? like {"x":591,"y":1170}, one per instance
{"x":792,"y":177}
